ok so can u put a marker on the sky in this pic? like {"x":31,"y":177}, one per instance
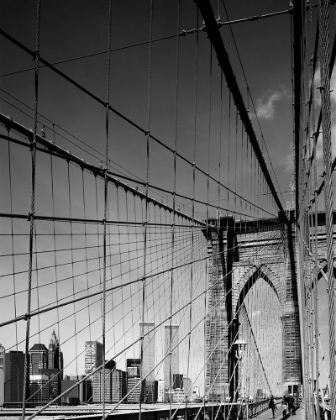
{"x":79,"y":29}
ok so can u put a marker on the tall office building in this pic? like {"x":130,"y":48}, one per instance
{"x":2,"y":375}
{"x":93,"y":355}
{"x":38,"y":359}
{"x":135,"y":391}
{"x":77,"y":394}
{"x":55,"y":356}
{"x":39,"y":389}
{"x":93,"y":358}
{"x":115,"y":385}
{"x":172,"y":362}
{"x":55,"y":364}
{"x":14,"y":372}
{"x":161,"y":391}
{"x":133,"y":368}
{"x":177,"y":381}
{"x":148,"y":361}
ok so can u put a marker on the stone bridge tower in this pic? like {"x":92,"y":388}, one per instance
{"x":240,"y":253}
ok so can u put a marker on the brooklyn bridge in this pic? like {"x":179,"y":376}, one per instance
{"x":166,"y":214}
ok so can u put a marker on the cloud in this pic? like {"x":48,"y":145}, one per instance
{"x":266,"y":104}
{"x":288,"y":163}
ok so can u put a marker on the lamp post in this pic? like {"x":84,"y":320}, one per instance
{"x":239,"y":347}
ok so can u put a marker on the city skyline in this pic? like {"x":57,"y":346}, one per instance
{"x":166,"y":171}
{"x":51,"y":356}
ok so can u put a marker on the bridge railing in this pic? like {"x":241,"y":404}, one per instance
{"x":240,"y":411}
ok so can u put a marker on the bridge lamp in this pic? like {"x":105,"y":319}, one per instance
{"x":240,"y":346}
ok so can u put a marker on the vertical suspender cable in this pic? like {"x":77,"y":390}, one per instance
{"x":325,"y":98}
{"x":193,"y":199}
{"x":107,"y":121}
{"x":305,"y":220}
{"x":174,"y":201}
{"x":316,"y":314}
{"x":72,"y":262}
{"x":146,"y":203}
{"x":32,"y":208}
{"x":13,"y":247}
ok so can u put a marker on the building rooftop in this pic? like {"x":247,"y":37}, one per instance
{"x":38,"y":347}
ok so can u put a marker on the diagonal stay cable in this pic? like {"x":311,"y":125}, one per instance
{"x":132,"y":123}
{"x":255,"y":343}
{"x":225,"y":64}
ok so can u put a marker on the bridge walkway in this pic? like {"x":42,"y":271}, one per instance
{"x":300,"y":414}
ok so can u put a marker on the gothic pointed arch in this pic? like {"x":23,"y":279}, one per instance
{"x":244,"y":284}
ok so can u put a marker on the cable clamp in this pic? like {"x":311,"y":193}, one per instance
{"x":26,"y":317}
{"x":147,"y":132}
{"x":320,"y":88}
{"x":33,"y":144}
{"x":30,"y":216}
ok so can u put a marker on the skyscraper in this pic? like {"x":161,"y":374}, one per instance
{"x":172,"y":362}
{"x":55,"y":364}
{"x":38,"y":359}
{"x":93,"y":355}
{"x":135,"y":391}
{"x":148,"y":360}
{"x":14,"y":369}
{"x":93,"y":358}
{"x":55,"y":356}
{"x":115,"y":384}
